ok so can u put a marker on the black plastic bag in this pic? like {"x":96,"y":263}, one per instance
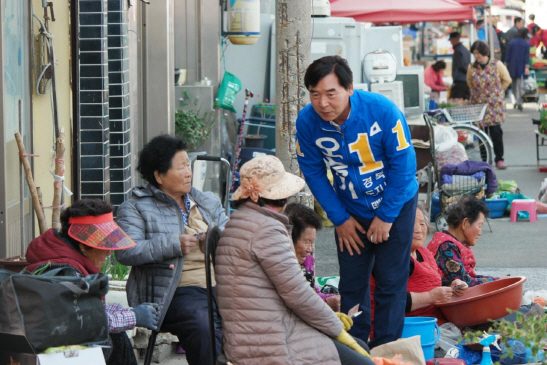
{"x":53,"y":310}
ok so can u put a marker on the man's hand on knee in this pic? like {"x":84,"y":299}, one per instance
{"x":348,"y":237}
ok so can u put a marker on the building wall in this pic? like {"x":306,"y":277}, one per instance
{"x":539,"y":9}
{"x":43,"y":130}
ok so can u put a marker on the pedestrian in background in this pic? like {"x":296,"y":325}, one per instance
{"x":530,"y":25}
{"x":518,"y":64}
{"x":488,"y":79}
{"x":512,"y":32}
{"x":539,"y":37}
{"x":365,"y":140}
{"x":460,"y":62}
{"x":433,"y":77}
{"x":481,"y":33}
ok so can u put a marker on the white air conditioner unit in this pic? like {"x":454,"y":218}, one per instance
{"x":320,"y":8}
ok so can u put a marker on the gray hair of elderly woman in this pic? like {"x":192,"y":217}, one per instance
{"x":469,"y":206}
{"x":301,"y":217}
{"x":423,"y":209}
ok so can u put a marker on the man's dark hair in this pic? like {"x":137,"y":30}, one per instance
{"x":480,"y":47}
{"x":157,"y":154}
{"x":454,"y":35}
{"x":82,"y":208}
{"x":517,"y":19}
{"x":301,"y":217}
{"x":469,"y":206}
{"x":326,"y":65}
{"x":439,"y":65}
{"x":532,"y":17}
{"x":535,"y":28}
{"x":480,"y":22}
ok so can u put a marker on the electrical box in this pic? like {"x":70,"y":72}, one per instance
{"x":339,"y":36}
{"x":392,"y":90}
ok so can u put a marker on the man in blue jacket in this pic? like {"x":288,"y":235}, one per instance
{"x":364,"y":140}
{"x":517,"y":59}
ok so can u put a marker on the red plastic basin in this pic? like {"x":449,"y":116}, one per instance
{"x":485,"y":302}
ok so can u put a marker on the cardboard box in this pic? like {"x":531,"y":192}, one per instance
{"x":16,"y":350}
{"x":89,"y":356}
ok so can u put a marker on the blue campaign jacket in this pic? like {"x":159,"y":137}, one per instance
{"x":370,"y":155}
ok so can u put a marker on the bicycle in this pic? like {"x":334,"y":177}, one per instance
{"x":465,"y":120}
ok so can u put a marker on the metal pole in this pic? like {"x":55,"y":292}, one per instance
{"x":491,"y":34}
{"x":21,"y":190}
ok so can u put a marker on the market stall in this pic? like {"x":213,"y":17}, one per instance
{"x":439,"y":18}
{"x":402,"y":11}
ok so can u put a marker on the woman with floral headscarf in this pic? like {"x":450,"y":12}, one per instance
{"x":270,"y":314}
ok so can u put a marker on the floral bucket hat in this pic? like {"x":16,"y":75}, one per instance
{"x":265,"y":176}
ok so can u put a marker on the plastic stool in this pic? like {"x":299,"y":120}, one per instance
{"x":520,"y":205}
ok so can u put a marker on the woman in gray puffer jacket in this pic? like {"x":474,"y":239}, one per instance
{"x":163,"y":218}
{"x":270,"y":313}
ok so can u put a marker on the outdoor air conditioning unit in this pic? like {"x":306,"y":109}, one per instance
{"x":320,"y":8}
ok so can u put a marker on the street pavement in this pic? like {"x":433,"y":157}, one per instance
{"x":516,"y":249}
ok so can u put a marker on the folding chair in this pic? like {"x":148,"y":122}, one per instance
{"x":211,"y":243}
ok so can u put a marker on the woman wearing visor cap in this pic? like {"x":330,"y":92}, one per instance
{"x":88,"y":235}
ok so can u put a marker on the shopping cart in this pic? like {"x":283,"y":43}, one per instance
{"x":466,"y":121}
{"x":465,"y":114}
{"x":453,"y":187}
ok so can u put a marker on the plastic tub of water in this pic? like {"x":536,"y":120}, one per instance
{"x":484,"y":302}
{"x":427,"y":329}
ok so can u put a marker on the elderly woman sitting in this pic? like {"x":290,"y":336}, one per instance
{"x":425,"y":287}
{"x":269,"y":313}
{"x":165,"y":218}
{"x":305,"y":224}
{"x":87,"y":237}
{"x":452,"y":248}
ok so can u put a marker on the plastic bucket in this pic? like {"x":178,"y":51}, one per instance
{"x":427,"y":329}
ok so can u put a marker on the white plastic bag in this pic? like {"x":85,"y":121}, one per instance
{"x":530,"y":86}
{"x":445,"y":138}
{"x":450,"y":335}
{"x":542,"y":196}
{"x":530,"y":295}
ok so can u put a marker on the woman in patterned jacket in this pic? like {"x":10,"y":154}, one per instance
{"x":488,"y":79}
